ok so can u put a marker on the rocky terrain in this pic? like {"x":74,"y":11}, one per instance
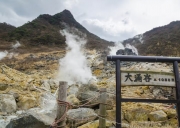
{"x":153,"y":41}
{"x":30,"y":66}
{"x":30,"y":93}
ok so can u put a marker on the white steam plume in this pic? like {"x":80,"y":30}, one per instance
{"x":11,"y":55}
{"x":133,"y":48}
{"x":114,"y":49}
{"x":3,"y":54}
{"x":119,"y":45}
{"x":73,"y":67}
{"x":16,"y":45}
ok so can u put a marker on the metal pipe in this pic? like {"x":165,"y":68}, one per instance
{"x":118,"y":95}
{"x":177,"y":79}
{"x":143,"y":58}
{"x":148,"y":100}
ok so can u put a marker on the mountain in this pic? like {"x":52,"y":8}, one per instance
{"x":44,"y":32}
{"x":160,"y":41}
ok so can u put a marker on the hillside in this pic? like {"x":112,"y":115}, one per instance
{"x":160,"y":41}
{"x":44,"y":32}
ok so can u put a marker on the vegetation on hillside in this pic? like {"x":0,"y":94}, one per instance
{"x":160,"y":41}
{"x":44,"y":31}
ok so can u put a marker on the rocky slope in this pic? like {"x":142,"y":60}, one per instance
{"x":44,"y":32}
{"x":28,"y":81}
{"x":32,"y":95}
{"x":160,"y":41}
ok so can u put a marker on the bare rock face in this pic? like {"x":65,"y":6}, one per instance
{"x":171,"y":113}
{"x":4,"y":121}
{"x":26,"y":121}
{"x":138,"y":114}
{"x":3,"y":87}
{"x":95,"y":124}
{"x":43,"y":115}
{"x":87,"y":92}
{"x":7,"y":103}
{"x":73,"y":100}
{"x":26,"y":102}
{"x":80,"y":116}
{"x":158,"y":116}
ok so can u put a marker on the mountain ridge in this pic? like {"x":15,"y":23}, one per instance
{"x":44,"y":31}
{"x":159,"y":41}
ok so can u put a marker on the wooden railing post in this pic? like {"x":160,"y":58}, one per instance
{"x":61,"y":109}
{"x":102,"y":111}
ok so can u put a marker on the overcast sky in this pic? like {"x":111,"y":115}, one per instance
{"x":113,"y":20}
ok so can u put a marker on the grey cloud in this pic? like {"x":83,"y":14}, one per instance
{"x":140,"y":15}
{"x":27,"y":10}
{"x":121,"y":35}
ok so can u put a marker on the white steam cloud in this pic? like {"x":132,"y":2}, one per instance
{"x":115,"y":48}
{"x":3,"y":54}
{"x":73,"y":67}
{"x":133,"y":48}
{"x":119,"y":45}
{"x":16,"y":45}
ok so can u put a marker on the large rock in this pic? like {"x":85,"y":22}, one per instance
{"x":7,"y":103}
{"x":111,"y":115}
{"x":87,"y":93}
{"x":95,"y":124}
{"x":126,"y":51}
{"x":72,"y":89}
{"x":49,"y":84}
{"x":80,"y":116}
{"x":138,"y":114}
{"x":4,"y":120}
{"x":26,"y":121}
{"x":3,"y":87}
{"x":158,"y":116}
{"x":73,"y":100}
{"x":26,"y":102}
{"x":48,"y":101}
{"x":171,"y":113}
{"x":125,"y":124}
{"x":172,"y":122}
{"x":43,"y":115}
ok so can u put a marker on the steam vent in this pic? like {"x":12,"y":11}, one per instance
{"x":54,"y":73}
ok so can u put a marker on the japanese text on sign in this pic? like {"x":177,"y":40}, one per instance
{"x":143,"y":78}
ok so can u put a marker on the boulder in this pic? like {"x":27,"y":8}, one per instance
{"x":26,"y":121}
{"x":7,"y":103}
{"x":73,"y":100}
{"x":125,"y":124}
{"x":138,"y":114}
{"x":157,"y":116}
{"x":111,"y":114}
{"x":45,"y":116}
{"x":80,"y":116}
{"x":172,"y":122}
{"x":171,"y":113}
{"x":14,"y":93}
{"x":84,"y":96}
{"x":156,"y":91}
{"x":3,"y":87}
{"x":4,"y":120}
{"x":26,"y":102}
{"x":48,"y":101}
{"x":72,"y":89}
{"x":95,"y":124}
{"x":126,"y":51}
{"x":88,"y":92}
{"x":49,"y":84}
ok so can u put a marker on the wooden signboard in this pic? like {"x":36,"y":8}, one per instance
{"x":147,"y":78}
